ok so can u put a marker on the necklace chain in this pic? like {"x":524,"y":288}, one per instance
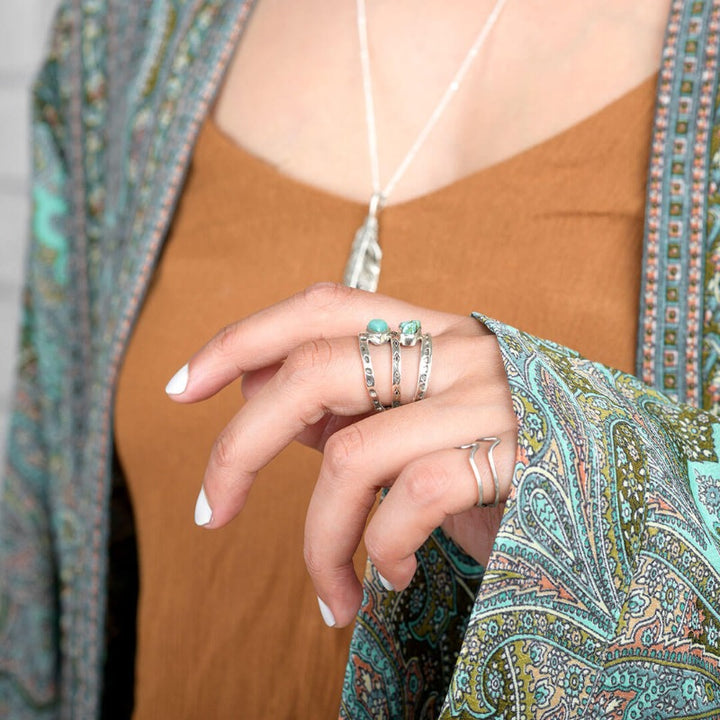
{"x":447,"y":96}
{"x":363,"y":266}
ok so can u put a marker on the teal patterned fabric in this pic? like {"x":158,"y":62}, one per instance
{"x":116,"y":108}
{"x":601,"y":596}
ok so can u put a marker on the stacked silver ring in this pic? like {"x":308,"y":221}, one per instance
{"x":425,"y":367}
{"x":363,"y":340}
{"x":409,"y":333}
{"x":473,"y":447}
{"x":396,"y":367}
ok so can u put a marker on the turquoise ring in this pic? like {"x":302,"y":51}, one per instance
{"x":378,"y":331}
{"x":410,"y":332}
{"x":368,"y":372}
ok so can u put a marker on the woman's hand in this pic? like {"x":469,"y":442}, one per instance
{"x":304,"y":380}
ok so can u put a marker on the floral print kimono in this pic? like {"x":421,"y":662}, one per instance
{"x":602,"y":594}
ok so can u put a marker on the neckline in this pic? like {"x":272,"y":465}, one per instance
{"x":542,"y":146}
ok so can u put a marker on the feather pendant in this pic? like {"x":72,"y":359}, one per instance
{"x":362,"y":269}
{"x":363,"y":266}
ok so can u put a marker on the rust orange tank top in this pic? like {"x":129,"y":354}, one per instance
{"x":549,"y":240}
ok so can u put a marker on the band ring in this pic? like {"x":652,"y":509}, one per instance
{"x":396,"y":368}
{"x":369,"y":373}
{"x":473,"y":447}
{"x":424,"y":367}
{"x":409,"y":333}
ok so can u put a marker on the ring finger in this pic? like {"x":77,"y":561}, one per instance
{"x":438,"y":487}
{"x":429,"y":484}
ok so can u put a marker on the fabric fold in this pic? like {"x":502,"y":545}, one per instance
{"x":600,"y":595}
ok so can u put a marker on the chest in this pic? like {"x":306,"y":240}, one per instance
{"x":293,"y":94}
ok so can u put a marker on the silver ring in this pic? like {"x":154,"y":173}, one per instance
{"x":369,"y":372}
{"x":424,"y":367}
{"x":378,"y":332}
{"x":410,"y":332}
{"x":396,"y":366}
{"x":473,"y":447}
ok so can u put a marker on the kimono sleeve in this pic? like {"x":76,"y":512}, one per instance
{"x":601,"y":597}
{"x":29,"y":603}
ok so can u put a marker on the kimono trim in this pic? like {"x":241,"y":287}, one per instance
{"x":711,"y":279}
{"x":183,"y":76}
{"x":672,"y":299}
{"x":94,"y":257}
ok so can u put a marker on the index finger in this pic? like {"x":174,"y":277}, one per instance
{"x":322,"y":311}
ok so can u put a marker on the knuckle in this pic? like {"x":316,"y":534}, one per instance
{"x":315,"y":564}
{"x":325,"y":295}
{"x":310,"y":357}
{"x":223,"y":451}
{"x":425,"y":484}
{"x":377,"y":548}
{"x":343,"y":448}
{"x":223,"y":343}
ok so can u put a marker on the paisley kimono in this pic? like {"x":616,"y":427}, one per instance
{"x":602,"y":594}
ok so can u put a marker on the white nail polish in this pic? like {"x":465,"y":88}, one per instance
{"x":203,"y":511}
{"x":178,"y":382}
{"x":326,"y":613}
{"x":386,"y":583}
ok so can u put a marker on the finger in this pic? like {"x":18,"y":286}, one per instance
{"x":319,"y":378}
{"x":428,"y":491}
{"x":314,"y":436}
{"x":317,"y":435}
{"x":475,"y":531}
{"x":255,"y":380}
{"x":325,"y":310}
{"x":357,"y":462}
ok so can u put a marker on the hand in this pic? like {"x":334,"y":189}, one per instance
{"x":303,"y":380}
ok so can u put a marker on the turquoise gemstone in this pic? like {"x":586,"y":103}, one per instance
{"x":410,"y":327}
{"x":377,"y":326}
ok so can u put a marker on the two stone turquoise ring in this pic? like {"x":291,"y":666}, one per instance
{"x":408,"y":334}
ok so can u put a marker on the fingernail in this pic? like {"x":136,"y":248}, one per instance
{"x":326,"y":613}
{"x":385,"y":583}
{"x":178,"y":382}
{"x":203,"y":511}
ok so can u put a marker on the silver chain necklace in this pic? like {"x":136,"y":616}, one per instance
{"x":363,"y":266}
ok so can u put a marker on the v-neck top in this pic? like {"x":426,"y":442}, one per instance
{"x":549,"y":240}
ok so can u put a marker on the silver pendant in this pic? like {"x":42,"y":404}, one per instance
{"x":362,"y":269}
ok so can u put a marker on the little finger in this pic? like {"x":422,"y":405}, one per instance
{"x":369,"y":455}
{"x":429,"y":490}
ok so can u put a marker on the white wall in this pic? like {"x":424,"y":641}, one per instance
{"x":23,"y":31}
